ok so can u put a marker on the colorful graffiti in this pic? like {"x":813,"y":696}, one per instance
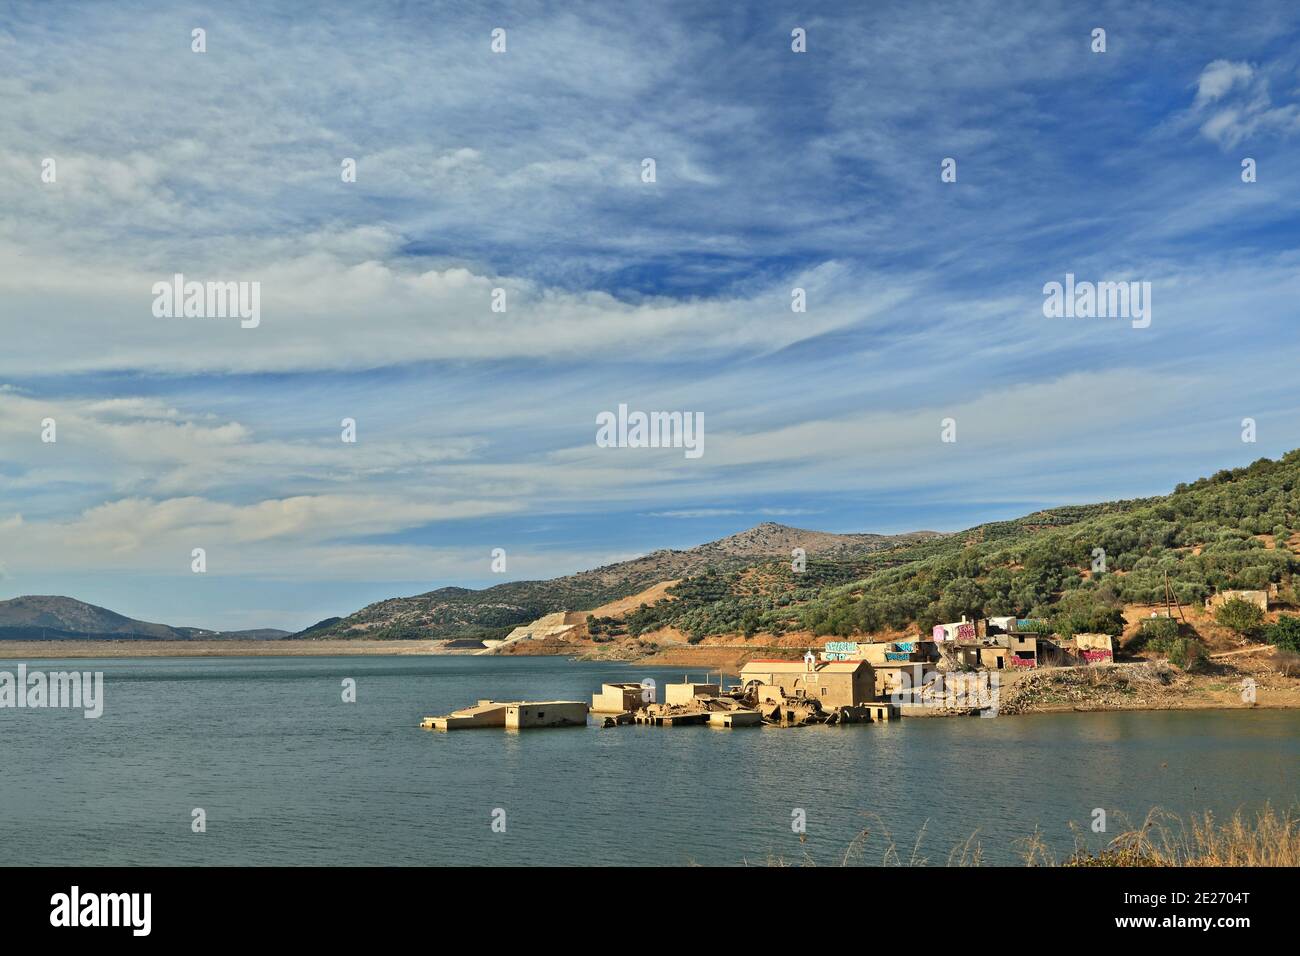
{"x":908,"y":646}
{"x":842,"y":647}
{"x":1093,"y":657}
{"x":1023,"y":661}
{"x":896,"y":656}
{"x":954,"y":632}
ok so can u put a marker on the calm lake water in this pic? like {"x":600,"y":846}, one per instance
{"x":289,"y":774}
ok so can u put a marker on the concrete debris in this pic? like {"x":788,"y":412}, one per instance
{"x":742,"y":707}
{"x":1112,"y":686}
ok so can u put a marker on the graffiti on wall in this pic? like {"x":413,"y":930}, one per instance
{"x":954,"y":632}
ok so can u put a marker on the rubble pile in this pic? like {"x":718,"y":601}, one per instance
{"x":795,"y":712}
{"x":790,"y":712}
{"x":700,"y":705}
{"x":1092,"y":688}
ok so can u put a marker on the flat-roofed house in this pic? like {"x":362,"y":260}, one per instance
{"x":990,"y":653}
{"x":901,"y":677}
{"x":546,"y":713}
{"x":1024,"y":650}
{"x":618,"y":698}
{"x":1257,"y":598}
{"x":686,"y":693}
{"x":516,"y":715}
{"x":834,"y":683}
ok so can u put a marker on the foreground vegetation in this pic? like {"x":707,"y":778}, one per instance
{"x":1264,"y":838}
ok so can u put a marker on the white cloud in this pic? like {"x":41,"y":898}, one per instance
{"x":1234,"y":103}
{"x":327,"y":309}
{"x":1219,"y":77}
{"x":292,"y":537}
{"x":141,"y":445}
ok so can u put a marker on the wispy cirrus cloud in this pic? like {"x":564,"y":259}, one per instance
{"x":521,"y":172}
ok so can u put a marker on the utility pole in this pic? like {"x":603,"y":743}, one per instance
{"x":1171,"y":597}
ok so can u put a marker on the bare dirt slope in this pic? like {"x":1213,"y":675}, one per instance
{"x":622,"y":606}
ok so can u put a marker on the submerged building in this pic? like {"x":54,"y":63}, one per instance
{"x":512,"y":715}
{"x":834,"y":683}
{"x":618,"y":698}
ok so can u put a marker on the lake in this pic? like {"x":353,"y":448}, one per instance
{"x":287,"y":773}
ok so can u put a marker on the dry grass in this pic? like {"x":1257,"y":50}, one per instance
{"x":1266,"y":838}
{"x":873,"y":845}
{"x":1287,"y":663}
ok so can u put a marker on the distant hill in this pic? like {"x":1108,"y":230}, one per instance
{"x":318,"y":628}
{"x":43,"y":617}
{"x":1239,"y":528}
{"x":460,"y":612}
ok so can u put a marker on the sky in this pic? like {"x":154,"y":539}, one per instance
{"x":524,"y":171}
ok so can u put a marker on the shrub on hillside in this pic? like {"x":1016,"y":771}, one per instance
{"x":1158,"y":631}
{"x":1240,"y":616}
{"x":1163,"y":636}
{"x":1085,"y":612}
{"x":1285,"y":634}
{"x":1184,"y":652}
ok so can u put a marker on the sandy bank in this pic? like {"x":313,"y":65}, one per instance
{"x":14,"y":650}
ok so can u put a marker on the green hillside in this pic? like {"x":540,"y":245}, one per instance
{"x":1212,"y":534}
{"x":1209,"y":535}
{"x":453,"y":612}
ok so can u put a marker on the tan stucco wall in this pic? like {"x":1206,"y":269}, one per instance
{"x":685,"y":693}
{"x":553,"y":713}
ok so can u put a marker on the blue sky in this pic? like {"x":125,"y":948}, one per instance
{"x":522,"y":171}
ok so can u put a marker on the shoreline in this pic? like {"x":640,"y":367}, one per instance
{"x":1203,"y":694}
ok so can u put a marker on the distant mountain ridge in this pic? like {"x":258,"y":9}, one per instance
{"x":1237,"y":529}
{"x":453,"y":612}
{"x":48,"y":617}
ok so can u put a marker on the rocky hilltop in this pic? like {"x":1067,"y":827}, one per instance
{"x":459,"y":612}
